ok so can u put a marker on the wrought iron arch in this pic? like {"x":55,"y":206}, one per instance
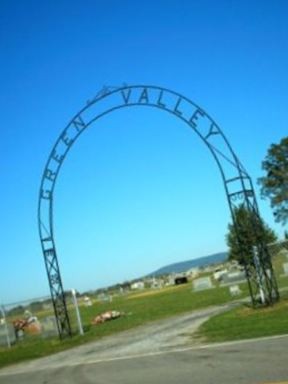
{"x":237,"y":182}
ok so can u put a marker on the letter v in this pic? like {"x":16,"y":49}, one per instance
{"x":126,"y":96}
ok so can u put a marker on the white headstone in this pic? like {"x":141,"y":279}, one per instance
{"x":218,"y":275}
{"x":87,"y":301}
{"x":285,"y":267}
{"x":49,"y":326}
{"x":235,"y":290}
{"x":104,"y":297}
{"x":234,"y":277}
{"x":6,"y":330}
{"x":202,"y":283}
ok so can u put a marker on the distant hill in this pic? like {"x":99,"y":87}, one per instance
{"x":185,"y":265}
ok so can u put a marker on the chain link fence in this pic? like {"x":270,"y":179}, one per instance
{"x":24,"y":320}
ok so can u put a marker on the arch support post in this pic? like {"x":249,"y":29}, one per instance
{"x":257,"y":261}
{"x":58,"y":297}
{"x":57,"y":293}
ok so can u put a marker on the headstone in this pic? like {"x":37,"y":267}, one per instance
{"x":87,"y":301}
{"x":235,"y":290}
{"x":218,"y":275}
{"x":49,"y":327}
{"x":27,"y":314}
{"x":234,"y":277}
{"x":192,"y":272}
{"x":104,"y":297}
{"x":137,"y":285}
{"x":4,"y":330}
{"x":202,"y":283}
{"x":47,"y":306}
{"x":157,"y":284}
{"x":285,"y":267}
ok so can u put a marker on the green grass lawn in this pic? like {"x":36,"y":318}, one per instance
{"x":245,"y":323}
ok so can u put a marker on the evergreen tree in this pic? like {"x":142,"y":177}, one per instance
{"x":249,"y":231}
{"x":275,"y":184}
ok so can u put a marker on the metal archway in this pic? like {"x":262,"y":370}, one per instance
{"x":237,"y":183}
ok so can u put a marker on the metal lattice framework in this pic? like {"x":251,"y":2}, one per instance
{"x":237,"y":183}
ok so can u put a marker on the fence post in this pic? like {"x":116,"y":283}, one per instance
{"x":74,"y":298}
{"x":6,"y":327}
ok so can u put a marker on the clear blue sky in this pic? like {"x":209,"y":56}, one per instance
{"x":138,"y":190}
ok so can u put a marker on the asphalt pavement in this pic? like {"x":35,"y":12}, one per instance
{"x":251,"y":362}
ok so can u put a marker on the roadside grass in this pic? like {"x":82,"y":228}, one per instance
{"x":245,"y":323}
{"x":138,"y":311}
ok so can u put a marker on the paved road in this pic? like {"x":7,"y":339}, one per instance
{"x":261,"y":361}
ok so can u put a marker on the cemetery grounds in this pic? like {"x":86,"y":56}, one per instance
{"x":144,"y":307}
